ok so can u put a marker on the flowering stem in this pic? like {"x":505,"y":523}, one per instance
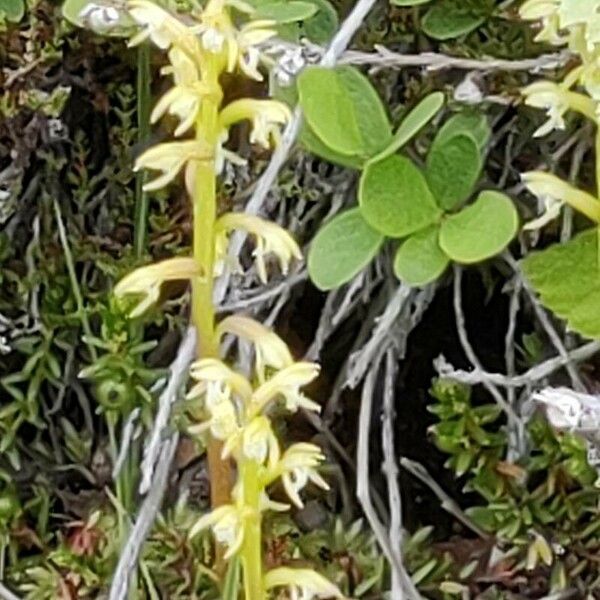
{"x":203,"y":314}
{"x":251,"y":551}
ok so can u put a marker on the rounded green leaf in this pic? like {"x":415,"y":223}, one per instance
{"x":329,"y":110}
{"x":469,"y":122}
{"x":341,"y":249}
{"x":313,"y":144}
{"x":285,"y":12}
{"x":414,"y":121}
{"x":481,"y":230}
{"x":420,"y":260}
{"x":394,"y":197}
{"x":451,"y":18}
{"x":322,"y":26}
{"x":453,"y":168}
{"x":342,"y":108}
{"x":13,"y":10}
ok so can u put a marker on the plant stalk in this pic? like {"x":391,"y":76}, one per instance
{"x":251,"y":552}
{"x":203,"y":314}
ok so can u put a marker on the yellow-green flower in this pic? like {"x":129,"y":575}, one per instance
{"x":296,"y":468}
{"x":548,"y":12}
{"x":267,"y":117}
{"x":146,"y":281}
{"x":555,"y":192}
{"x":227,"y":524}
{"x":170,"y":158}
{"x":270,"y":350}
{"x":304,"y":584}
{"x":269,"y":239}
{"x":259,"y":442}
{"x":287,"y":383}
{"x":212,"y":370}
{"x":161,"y":27}
{"x":557,"y":99}
{"x":184,"y":99}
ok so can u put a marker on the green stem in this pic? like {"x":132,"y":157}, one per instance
{"x":251,"y":552}
{"x":143,"y":124}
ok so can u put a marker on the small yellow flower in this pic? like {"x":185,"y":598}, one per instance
{"x":304,"y":584}
{"x":259,"y":442}
{"x":146,"y":281}
{"x":212,"y":370}
{"x":267,"y":117}
{"x":223,"y":421}
{"x":170,"y":158}
{"x":270,"y":350}
{"x":270,"y":238}
{"x":548,"y":12}
{"x":555,"y":193}
{"x":227,"y":524}
{"x":296,"y":468}
{"x":184,"y":99}
{"x":557,"y":100}
{"x":163,"y":29}
{"x":287,"y":383}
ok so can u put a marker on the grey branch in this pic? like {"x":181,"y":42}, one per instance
{"x":177,"y":375}
{"x":131,"y":552}
{"x":6,"y":594}
{"x":530,"y":377}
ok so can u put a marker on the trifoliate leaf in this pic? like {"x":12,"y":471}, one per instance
{"x":342,"y":249}
{"x":420,"y":260}
{"x":468,"y":122}
{"x":480,"y":230}
{"x":394,"y":197}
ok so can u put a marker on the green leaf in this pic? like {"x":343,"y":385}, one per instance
{"x":285,"y":12}
{"x":414,"y":121}
{"x":451,"y":18}
{"x":408,"y":2}
{"x":313,"y":144}
{"x":480,"y":230}
{"x":468,"y":122}
{"x":341,"y":249}
{"x":322,"y":27}
{"x":231,"y":584}
{"x":567,"y":277}
{"x":454,"y":166}
{"x":394,"y":197}
{"x":420,"y":259}
{"x":343,"y":110}
{"x":12,"y":9}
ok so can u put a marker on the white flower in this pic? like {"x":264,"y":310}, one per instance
{"x":184,"y":99}
{"x":270,"y":350}
{"x":212,"y":370}
{"x":161,"y":27}
{"x":287,"y":383}
{"x":146,"y":281}
{"x":304,"y":584}
{"x":213,"y":40}
{"x":557,"y":99}
{"x":296,"y":468}
{"x":227,"y":524}
{"x":170,"y":158}
{"x":270,"y":239}
{"x":267,"y":116}
{"x":555,"y":192}
{"x":548,"y":12}
{"x":259,"y":441}
{"x":223,"y":421}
